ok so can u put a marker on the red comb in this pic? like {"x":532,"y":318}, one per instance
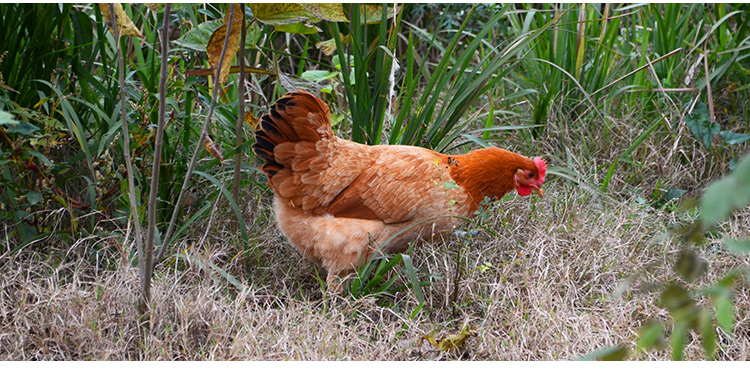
{"x":541,"y":166}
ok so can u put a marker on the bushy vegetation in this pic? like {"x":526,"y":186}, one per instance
{"x":638,"y":109}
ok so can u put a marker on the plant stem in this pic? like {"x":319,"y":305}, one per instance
{"x":145,"y":284}
{"x":240,"y":117}
{"x":204,"y":132}
{"x":148,"y":262}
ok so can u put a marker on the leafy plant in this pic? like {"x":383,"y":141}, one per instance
{"x":683,"y":303}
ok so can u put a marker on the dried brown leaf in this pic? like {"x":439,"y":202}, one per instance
{"x":216,"y":43}
{"x":124,"y":24}
{"x":251,"y":119}
{"x":213,"y":149}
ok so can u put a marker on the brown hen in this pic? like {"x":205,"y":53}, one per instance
{"x":338,"y":201}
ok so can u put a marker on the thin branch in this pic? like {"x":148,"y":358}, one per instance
{"x":667,"y":55}
{"x":240,"y":113}
{"x":710,"y":96}
{"x":204,"y":132}
{"x":154,"y":189}
{"x":143,"y":303}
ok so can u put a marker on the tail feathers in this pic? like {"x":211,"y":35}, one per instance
{"x":296,"y":117}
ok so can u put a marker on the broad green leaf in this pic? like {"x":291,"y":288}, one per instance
{"x":198,"y":37}
{"x":41,"y":157}
{"x":725,"y":311}
{"x":302,"y":28}
{"x":33,"y":197}
{"x":716,"y":203}
{"x":699,"y":122}
{"x":738,"y":246}
{"x":674,"y":193}
{"x":733,"y":138}
{"x":727,"y":194}
{"x":16,"y":126}
{"x":318,"y":75}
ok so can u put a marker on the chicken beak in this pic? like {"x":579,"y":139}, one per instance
{"x":538,"y":191}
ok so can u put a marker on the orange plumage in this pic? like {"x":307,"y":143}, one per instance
{"x":337,"y":201}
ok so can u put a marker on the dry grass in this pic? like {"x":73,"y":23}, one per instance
{"x":541,"y":290}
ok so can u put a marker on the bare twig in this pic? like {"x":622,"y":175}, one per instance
{"x":661,"y":88}
{"x":673,"y":52}
{"x":708,"y":85}
{"x":241,"y":116}
{"x":204,"y":132}
{"x":147,"y":261}
{"x":143,"y":301}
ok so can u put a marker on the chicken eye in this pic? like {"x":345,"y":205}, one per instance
{"x":530,"y":175}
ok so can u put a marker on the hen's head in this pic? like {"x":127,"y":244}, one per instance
{"x":531,"y":179}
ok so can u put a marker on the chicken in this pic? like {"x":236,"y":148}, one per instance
{"x":338,"y":201}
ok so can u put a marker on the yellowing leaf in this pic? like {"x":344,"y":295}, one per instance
{"x":372,"y":14}
{"x":125,"y":26}
{"x":328,"y":47}
{"x":213,"y":149}
{"x":251,"y":119}
{"x":216,"y":43}
{"x":331,"y":12}
{"x":279,"y":14}
{"x":153,"y":6}
{"x":302,"y":28}
{"x":450,"y":343}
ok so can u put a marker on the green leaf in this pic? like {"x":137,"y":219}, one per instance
{"x":699,"y":122}
{"x":33,"y":197}
{"x":678,"y":339}
{"x":716,"y":203}
{"x":676,"y":300}
{"x":413,"y":277}
{"x":727,"y":194}
{"x":674,"y":193}
{"x":708,"y":334}
{"x":318,"y":75}
{"x":15,"y":126}
{"x":198,"y":37}
{"x":733,"y":138}
{"x":652,"y":335}
{"x":738,"y":246}
{"x":41,"y":157}
{"x":302,"y":28}
{"x":690,"y":266}
{"x":611,"y":353}
{"x":725,"y":311}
